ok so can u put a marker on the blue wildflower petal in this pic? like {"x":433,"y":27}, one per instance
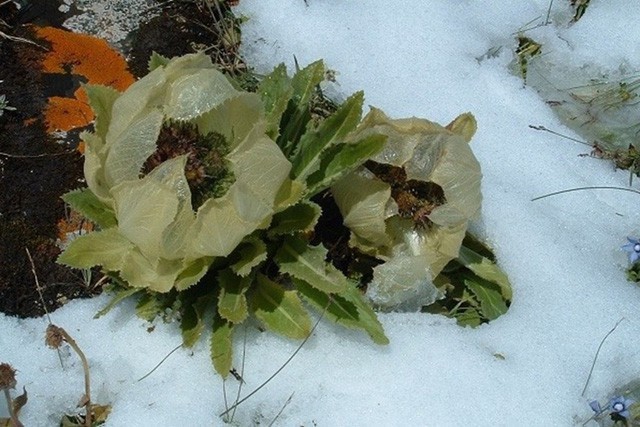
{"x":633,"y":249}
{"x":620,"y":405}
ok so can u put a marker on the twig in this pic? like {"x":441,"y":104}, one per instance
{"x":597,"y":353}
{"x":34,"y":156}
{"x":55,"y":336}
{"x":542,"y":128}
{"x":569,"y":190}
{"x":546,"y":21}
{"x":44,"y":305}
{"x":20,"y":39}
{"x":281,"y":410}
{"x":244,"y":359}
{"x":161,"y":362}
{"x":15,"y":422}
{"x":281,"y":367}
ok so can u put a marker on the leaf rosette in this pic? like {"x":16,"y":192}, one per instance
{"x":410,"y":204}
{"x":152,"y":234}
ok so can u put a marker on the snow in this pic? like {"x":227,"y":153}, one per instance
{"x":562,"y":254}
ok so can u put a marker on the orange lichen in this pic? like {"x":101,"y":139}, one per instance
{"x":63,"y":114}
{"x":86,"y":56}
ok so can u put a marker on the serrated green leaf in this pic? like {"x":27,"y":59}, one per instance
{"x":486,"y":269}
{"x":275,"y":90}
{"x":120,"y":296}
{"x":340,"y":159}
{"x":296,"y":118}
{"x":221,"y":346}
{"x":468,"y":317}
{"x":192,"y":272}
{"x":299,"y":218}
{"x":192,"y":323}
{"x":107,"y":248}
{"x":298,"y":259}
{"x":280,"y":310}
{"x":348,"y":309}
{"x":492,"y":305}
{"x":101,"y":99}
{"x":252,"y":252}
{"x":156,"y":60}
{"x":232,"y":302}
{"x":84,"y":201}
{"x":152,"y":304}
{"x":331,"y":131}
{"x":304,"y":82}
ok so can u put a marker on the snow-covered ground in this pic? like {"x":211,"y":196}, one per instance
{"x":562,"y":254}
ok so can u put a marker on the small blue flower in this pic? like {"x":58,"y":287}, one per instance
{"x":620,"y":405}
{"x":633,"y":248}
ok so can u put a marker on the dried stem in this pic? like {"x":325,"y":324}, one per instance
{"x":235,"y":405}
{"x":85,"y":367}
{"x":44,"y":305}
{"x":15,"y":422}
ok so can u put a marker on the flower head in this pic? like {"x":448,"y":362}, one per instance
{"x":633,"y":248}
{"x":620,"y":405}
{"x":7,"y":376}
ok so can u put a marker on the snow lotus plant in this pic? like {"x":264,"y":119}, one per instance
{"x":202,"y":196}
{"x":151,"y":235}
{"x":410,"y":204}
{"x":211,"y":201}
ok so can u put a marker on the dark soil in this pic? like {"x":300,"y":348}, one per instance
{"x":187,"y":27}
{"x":35,"y":171}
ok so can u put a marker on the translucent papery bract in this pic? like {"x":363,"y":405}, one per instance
{"x":260,"y":169}
{"x":186,"y":88}
{"x":402,"y":284}
{"x":429,"y":153}
{"x":363,"y":201}
{"x":447,"y":160}
{"x":173,"y":245}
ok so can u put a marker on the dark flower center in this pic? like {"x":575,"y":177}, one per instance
{"x":208,"y":172}
{"x":416,"y":199}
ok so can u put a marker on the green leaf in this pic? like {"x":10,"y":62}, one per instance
{"x":156,"y":60}
{"x":152,"y":304}
{"x":342,"y":158}
{"x":304,"y":83}
{"x":348,"y":309}
{"x":120,"y":296}
{"x":486,"y":269}
{"x":232,"y":302}
{"x":193,"y":272}
{"x":107,"y":248}
{"x":468,"y":317}
{"x":279,"y":310}
{"x":252,"y":252}
{"x":331,"y":131}
{"x":192,"y":323}
{"x":297,"y":116}
{"x":84,"y":201}
{"x":275,"y":91}
{"x":492,"y":305}
{"x":297,"y":258}
{"x":221,"y":346}
{"x":299,"y":218}
{"x":101,"y":99}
